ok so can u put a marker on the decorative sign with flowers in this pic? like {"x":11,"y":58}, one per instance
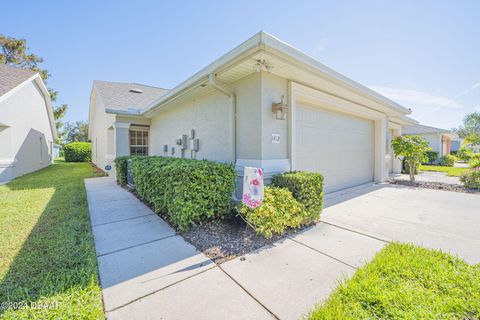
{"x":253,"y":187}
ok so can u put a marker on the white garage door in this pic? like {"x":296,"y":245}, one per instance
{"x":339,"y":146}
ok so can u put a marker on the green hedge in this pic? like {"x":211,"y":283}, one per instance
{"x":471,"y":178}
{"x":293,"y":199}
{"x":188,"y":191}
{"x":78,"y":152}
{"x":447,"y":160}
{"x":306,"y":188}
{"x":474,"y":160}
{"x":121,"y":169}
{"x":278,"y":212}
{"x":432,"y":156}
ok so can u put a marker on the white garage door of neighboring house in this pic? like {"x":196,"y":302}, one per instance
{"x":339,"y":146}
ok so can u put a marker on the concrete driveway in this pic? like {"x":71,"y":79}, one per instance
{"x":147,"y":271}
{"x":294,"y":275}
{"x":432,"y":218}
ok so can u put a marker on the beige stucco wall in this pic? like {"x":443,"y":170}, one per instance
{"x":273,"y":87}
{"x":101,"y":133}
{"x":211,"y":117}
{"x":25,"y":145}
{"x":434,"y":141}
{"x":249,"y":122}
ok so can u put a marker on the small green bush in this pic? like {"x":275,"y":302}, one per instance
{"x":121,"y":169}
{"x":464,"y":153}
{"x":474,"y":161}
{"x":432,"y":156}
{"x":278,"y":212}
{"x":471,"y":178}
{"x":78,"y":152}
{"x":306,"y":188}
{"x":447,"y":160}
{"x":188,"y":191}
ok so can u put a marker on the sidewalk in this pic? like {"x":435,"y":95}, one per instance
{"x":149,"y":272}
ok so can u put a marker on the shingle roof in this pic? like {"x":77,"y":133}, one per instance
{"x":419,"y":129}
{"x":118,"y":95}
{"x":10,"y":77}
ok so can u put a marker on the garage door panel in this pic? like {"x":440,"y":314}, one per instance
{"x":339,"y":146}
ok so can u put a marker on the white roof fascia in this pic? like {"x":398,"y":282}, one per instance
{"x":238,"y":53}
{"x":48,"y":102}
{"x":128,"y":112}
{"x":268,"y":43}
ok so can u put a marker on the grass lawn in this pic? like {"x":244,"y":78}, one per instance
{"x":407,"y":282}
{"x":451,"y":171}
{"x":47,"y":252}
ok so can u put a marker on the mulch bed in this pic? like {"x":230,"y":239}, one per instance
{"x":435,"y":186}
{"x":223,"y":240}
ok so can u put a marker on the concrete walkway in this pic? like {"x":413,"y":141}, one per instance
{"x":149,"y":272}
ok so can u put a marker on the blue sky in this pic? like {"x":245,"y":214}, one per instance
{"x":423,"y":54}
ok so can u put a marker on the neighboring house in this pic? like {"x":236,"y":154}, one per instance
{"x":27,"y":125}
{"x":456,"y":144}
{"x":113,"y":106}
{"x":232,"y":111}
{"x":440,"y":140}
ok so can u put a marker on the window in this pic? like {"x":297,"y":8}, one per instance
{"x":138,"y":142}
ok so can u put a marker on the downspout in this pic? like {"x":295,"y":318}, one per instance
{"x":213,"y":82}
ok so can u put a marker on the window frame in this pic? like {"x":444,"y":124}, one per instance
{"x":144,"y":139}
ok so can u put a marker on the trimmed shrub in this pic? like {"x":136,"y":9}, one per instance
{"x":447,"y":160}
{"x":471,"y":178}
{"x":464,"y":153}
{"x":78,"y":152}
{"x":187,"y":191}
{"x":306,"y":188}
{"x":278,"y":212}
{"x":474,"y":161}
{"x":121,"y":169}
{"x":432,"y":157}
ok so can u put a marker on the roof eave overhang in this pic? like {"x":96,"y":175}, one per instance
{"x":38,"y":80}
{"x":265,"y":42}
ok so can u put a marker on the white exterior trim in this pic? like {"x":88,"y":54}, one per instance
{"x":5,"y":163}
{"x":263,"y":41}
{"x":121,"y":125}
{"x":298,"y":92}
{"x":270,"y":167}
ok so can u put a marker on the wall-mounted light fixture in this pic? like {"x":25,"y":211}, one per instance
{"x":280,"y":110}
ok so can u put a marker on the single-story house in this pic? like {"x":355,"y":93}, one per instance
{"x":27,"y":125}
{"x":456,"y":144}
{"x":440,"y":140}
{"x":263,"y":104}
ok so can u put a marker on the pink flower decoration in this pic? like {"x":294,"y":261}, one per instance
{"x":255,"y":182}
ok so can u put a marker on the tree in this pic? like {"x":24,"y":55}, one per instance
{"x":14,"y":53}
{"x":76,"y":132}
{"x":470,"y":130}
{"x":413,"y":149}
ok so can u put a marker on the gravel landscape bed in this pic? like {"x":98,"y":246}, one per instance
{"x":223,"y":240}
{"x":435,"y":186}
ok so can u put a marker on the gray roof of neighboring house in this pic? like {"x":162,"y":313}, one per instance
{"x":419,"y":129}
{"x":10,"y":77}
{"x":119,"y":95}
